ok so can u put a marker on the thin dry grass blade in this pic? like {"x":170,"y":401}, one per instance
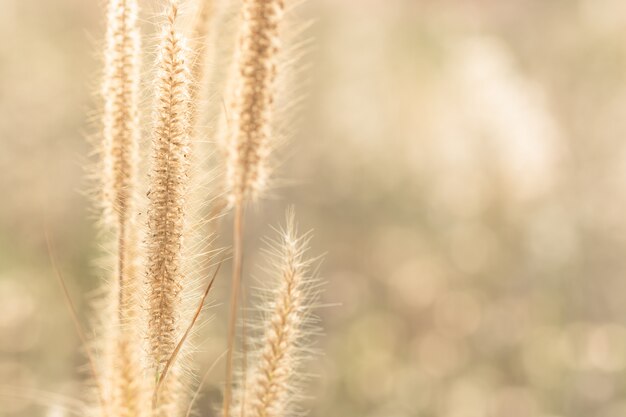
{"x":74,"y":314}
{"x":172,"y":358}
{"x":121,"y":135}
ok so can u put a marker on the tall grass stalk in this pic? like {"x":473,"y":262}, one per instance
{"x":121,"y":134}
{"x":159,"y":260}
{"x":250,"y":133}
{"x":167,"y":209}
{"x":271,"y":387}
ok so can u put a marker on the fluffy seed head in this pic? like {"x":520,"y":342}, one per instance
{"x":167,"y":207}
{"x":271,"y":382}
{"x":121,"y":133}
{"x":251,"y":107}
{"x":120,"y":91}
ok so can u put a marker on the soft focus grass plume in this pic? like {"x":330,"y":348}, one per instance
{"x":271,"y":386}
{"x":121,"y":369}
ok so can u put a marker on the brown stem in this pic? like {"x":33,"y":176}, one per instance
{"x":121,"y":265}
{"x":244,"y":348}
{"x":234,"y":297}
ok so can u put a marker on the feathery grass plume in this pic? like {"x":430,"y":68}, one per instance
{"x":167,"y":209}
{"x":272,"y":379}
{"x":120,"y":91}
{"x":252,"y":104}
{"x":121,"y":134}
{"x":250,"y":133}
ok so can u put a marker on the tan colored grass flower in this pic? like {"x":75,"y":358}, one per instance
{"x":167,"y":209}
{"x":121,"y":134}
{"x":252,"y":104}
{"x":271,"y":386}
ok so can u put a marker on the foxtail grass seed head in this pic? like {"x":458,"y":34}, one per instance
{"x":120,"y":91}
{"x":143,"y":340}
{"x":250,"y":131}
{"x":271,"y":385}
{"x":121,"y":135}
{"x":167,"y":208}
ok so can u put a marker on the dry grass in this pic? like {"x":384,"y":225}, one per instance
{"x":167,"y":210}
{"x":272,"y":388}
{"x":253,"y":99}
{"x":121,"y":135}
{"x":152,"y":305}
{"x":250,"y":132}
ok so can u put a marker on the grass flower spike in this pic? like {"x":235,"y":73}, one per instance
{"x":250,"y":132}
{"x":167,"y":208}
{"x":271,"y":385}
{"x":155,"y":217}
{"x":121,"y":135}
{"x":252,"y":105}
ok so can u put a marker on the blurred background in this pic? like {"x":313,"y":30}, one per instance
{"x":462,"y":163}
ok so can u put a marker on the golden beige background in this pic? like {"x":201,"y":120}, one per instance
{"x":463,"y":165}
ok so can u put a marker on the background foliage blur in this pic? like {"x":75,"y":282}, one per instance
{"x":463,"y":165}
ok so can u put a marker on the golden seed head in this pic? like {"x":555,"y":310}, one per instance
{"x":270,"y":386}
{"x":122,"y":372}
{"x":250,"y":132}
{"x":120,"y":91}
{"x":168,"y":206}
{"x":167,"y":194}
